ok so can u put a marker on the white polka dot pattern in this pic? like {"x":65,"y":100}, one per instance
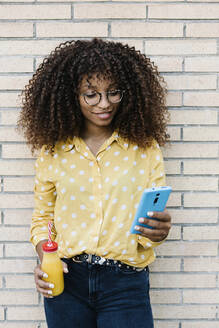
{"x":92,"y":200}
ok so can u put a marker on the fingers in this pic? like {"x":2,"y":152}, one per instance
{"x":158,"y":229}
{"x":43,"y":287}
{"x":65,"y":267}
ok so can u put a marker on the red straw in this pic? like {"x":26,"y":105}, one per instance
{"x":50,"y":232}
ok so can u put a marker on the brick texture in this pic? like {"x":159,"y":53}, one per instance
{"x":181,"y":38}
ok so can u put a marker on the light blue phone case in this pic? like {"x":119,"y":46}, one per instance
{"x":152,"y":200}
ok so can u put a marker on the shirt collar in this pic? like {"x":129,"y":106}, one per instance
{"x":76,"y":142}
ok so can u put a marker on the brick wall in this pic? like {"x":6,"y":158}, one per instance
{"x":182,"y":38}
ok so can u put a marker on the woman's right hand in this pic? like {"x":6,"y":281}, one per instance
{"x":43,"y":287}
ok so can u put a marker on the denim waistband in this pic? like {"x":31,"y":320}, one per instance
{"x":99,"y":260}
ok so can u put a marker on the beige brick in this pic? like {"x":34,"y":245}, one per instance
{"x":201,"y":99}
{"x":174,"y":132}
{"x":72,"y":29}
{"x":167,"y":64}
{"x":18,"y":184}
{"x":142,"y":1}
{"x":184,"y":11}
{"x":193,"y":183}
{"x":9,"y":117}
{"x":202,"y":64}
{"x":15,"y":64}
{"x":21,"y":249}
{"x":174,"y":200}
{"x":201,"y":133}
{"x":16,"y":151}
{"x":10,"y":134}
{"x":184,"y":312}
{"x":174,"y":99}
{"x":35,"y":12}
{"x":142,"y":29}
{"x":194,"y":216}
{"x":201,"y":199}
{"x":1,"y":282}
{"x":13,"y":167}
{"x":16,"y":30}
{"x":183,"y":280}
{"x":165,"y":324}
{"x":16,"y":281}
{"x":25,"y":313}
{"x":17,"y":324}
{"x":183,"y":248}
{"x":175,"y":233}
{"x":193,"y":116}
{"x":200,"y":324}
{"x":1,"y":255}
{"x":201,"y":233}
{"x":18,"y":297}
{"x":9,"y":99}
{"x":16,"y":1}
{"x":202,"y":264}
{"x":2,"y":313}
{"x":172,"y":167}
{"x":190,"y":150}
{"x":166,"y":265}
{"x":17,"y":217}
{"x":202,"y":30}
{"x":201,"y":296}
{"x":109,"y":11}
{"x":14,"y":233}
{"x":181,"y":47}
{"x":14,"y":82}
{"x":16,"y":201}
{"x":187,"y":82}
{"x":31,"y":47}
{"x":165,"y":296}
{"x":17,"y":266}
{"x":201,"y":167}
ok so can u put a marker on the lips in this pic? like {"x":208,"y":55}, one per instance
{"x":104,"y":115}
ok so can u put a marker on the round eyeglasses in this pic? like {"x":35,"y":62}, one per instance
{"x":94,"y":98}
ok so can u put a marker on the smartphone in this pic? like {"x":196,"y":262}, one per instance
{"x":152,"y":200}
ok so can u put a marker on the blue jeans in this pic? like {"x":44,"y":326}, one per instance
{"x":97,"y":296}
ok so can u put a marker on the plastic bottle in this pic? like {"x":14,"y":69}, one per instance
{"x":52,"y":265}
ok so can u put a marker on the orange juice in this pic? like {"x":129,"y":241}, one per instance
{"x":52,"y":265}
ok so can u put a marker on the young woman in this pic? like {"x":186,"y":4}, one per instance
{"x":96,"y":109}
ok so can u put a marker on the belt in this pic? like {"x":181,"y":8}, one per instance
{"x":99,"y":260}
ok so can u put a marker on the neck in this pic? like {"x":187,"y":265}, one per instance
{"x":96,"y":133}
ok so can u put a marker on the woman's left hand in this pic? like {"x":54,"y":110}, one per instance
{"x":161,"y":227}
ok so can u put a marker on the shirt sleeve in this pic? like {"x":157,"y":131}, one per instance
{"x":156,"y":179}
{"x":44,"y":199}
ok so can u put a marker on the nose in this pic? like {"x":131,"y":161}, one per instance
{"x":104,"y":102}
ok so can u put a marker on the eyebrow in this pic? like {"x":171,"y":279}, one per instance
{"x":90,"y":86}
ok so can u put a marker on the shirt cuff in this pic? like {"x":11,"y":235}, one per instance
{"x":36,"y":239}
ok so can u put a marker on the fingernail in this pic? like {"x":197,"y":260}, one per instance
{"x":49,"y":292}
{"x":137,"y":228}
{"x":141,"y":220}
{"x":65,"y":270}
{"x":45,"y":275}
{"x":51,"y":285}
{"x":150,"y":213}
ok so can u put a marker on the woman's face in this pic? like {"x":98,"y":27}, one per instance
{"x":102,"y":113}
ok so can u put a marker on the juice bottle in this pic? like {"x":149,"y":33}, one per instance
{"x":52,"y":265}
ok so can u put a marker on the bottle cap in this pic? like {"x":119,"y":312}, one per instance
{"x":50,"y":247}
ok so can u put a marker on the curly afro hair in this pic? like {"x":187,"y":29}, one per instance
{"x":50,"y":106}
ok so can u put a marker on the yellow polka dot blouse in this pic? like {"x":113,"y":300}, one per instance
{"x":92,"y":200}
